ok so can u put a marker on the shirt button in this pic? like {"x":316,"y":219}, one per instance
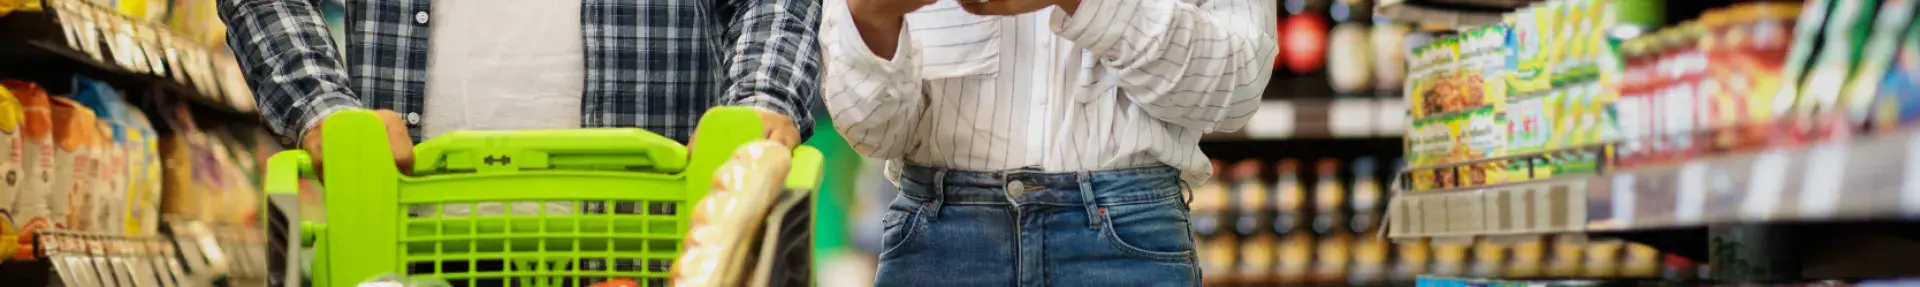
{"x":413,"y":118}
{"x":420,"y":17}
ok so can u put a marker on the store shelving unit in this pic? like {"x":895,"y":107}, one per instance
{"x":36,"y":41}
{"x":1449,"y":13}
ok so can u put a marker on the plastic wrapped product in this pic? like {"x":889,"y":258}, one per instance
{"x":32,"y":208}
{"x":143,"y":170}
{"x":11,"y":149}
{"x":76,"y":134}
{"x":108,"y":189}
{"x":726,"y":221}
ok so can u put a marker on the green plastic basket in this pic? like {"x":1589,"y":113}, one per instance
{"x":630,"y":193}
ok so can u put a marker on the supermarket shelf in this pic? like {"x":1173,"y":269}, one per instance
{"x":1448,"y":13}
{"x":1321,"y":118}
{"x":34,"y":40}
{"x":1857,"y":179}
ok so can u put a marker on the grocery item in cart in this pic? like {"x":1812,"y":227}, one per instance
{"x":31,"y":206}
{"x":77,"y":138}
{"x":743,"y":189}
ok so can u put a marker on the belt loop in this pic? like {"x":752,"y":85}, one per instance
{"x":939,"y":194}
{"x":1094,"y":213}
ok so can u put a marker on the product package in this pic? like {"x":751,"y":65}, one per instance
{"x":108,"y":187}
{"x":723,"y":224}
{"x":1858,"y":94}
{"x":33,"y":209}
{"x":1898,"y":100}
{"x":76,"y":133}
{"x":12,"y":159}
{"x":1843,"y":37}
{"x":143,"y":170}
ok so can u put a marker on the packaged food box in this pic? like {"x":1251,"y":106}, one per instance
{"x":1532,"y":32}
{"x":77,"y":138}
{"x":1485,"y":137}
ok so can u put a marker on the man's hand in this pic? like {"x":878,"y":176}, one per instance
{"x":779,"y":128}
{"x":397,"y":139}
{"x":879,"y":22}
{"x":1015,"y":7}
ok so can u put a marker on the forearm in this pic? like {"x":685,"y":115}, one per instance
{"x":289,"y":61}
{"x":773,"y":62}
{"x":1200,"y":67}
{"x":874,"y":101}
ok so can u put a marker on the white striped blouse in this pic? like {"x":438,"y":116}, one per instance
{"x":1122,"y":83}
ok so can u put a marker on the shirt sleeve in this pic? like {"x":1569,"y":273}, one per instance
{"x":289,"y":61}
{"x":874,"y":102}
{"x":774,"y":62}
{"x":1200,"y":64}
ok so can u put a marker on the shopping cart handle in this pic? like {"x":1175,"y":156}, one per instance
{"x":596,"y":148}
{"x":284,"y":171}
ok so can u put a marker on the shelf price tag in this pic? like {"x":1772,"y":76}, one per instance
{"x":1820,"y":192}
{"x":1274,"y":120}
{"x":1766,"y":185}
{"x":1691,"y":193}
{"x":1623,"y":199}
{"x":1910,"y":179}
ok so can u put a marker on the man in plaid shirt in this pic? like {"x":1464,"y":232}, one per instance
{"x":500,"y":64}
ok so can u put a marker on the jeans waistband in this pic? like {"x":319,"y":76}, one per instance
{"x":1026,"y":186}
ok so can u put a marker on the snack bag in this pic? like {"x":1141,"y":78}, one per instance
{"x":180,"y":193}
{"x":33,"y":210}
{"x":143,"y":170}
{"x":109,"y":183}
{"x":76,"y":134}
{"x":12,"y":158}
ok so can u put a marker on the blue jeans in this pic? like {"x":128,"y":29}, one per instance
{"x":1125,"y":227}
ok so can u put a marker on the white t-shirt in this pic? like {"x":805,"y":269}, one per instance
{"x":504,"y":65}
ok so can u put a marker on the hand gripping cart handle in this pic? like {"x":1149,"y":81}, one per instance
{"x":522,"y":208}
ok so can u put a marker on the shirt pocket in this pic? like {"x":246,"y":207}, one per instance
{"x":954,"y":43}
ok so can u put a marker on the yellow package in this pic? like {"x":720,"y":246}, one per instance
{"x":12,"y":149}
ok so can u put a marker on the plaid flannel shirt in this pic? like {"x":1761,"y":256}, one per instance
{"x":653,"y":64}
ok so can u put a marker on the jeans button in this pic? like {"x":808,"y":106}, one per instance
{"x":1015,"y":188}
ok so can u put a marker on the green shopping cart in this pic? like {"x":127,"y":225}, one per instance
{"x":572,"y":207}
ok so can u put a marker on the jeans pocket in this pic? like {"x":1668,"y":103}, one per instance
{"x":1156,"y":231}
{"x":899,"y":225}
